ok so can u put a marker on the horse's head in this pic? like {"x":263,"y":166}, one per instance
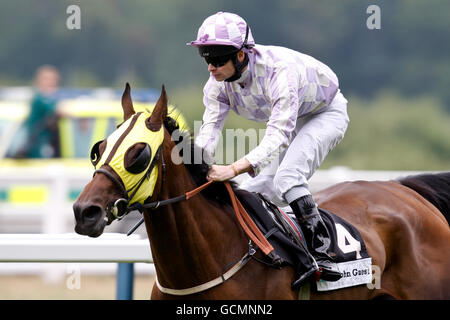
{"x":126,"y":167}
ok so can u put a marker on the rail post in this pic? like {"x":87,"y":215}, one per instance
{"x":125,"y":281}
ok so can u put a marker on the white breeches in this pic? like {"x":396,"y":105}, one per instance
{"x":286,"y":177}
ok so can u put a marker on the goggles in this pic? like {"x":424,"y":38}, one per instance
{"x":220,"y":61}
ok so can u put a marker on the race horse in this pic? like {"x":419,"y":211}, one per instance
{"x":404,"y":223}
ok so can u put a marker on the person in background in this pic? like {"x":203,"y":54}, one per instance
{"x":41,"y":139}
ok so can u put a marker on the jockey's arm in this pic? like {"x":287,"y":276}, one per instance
{"x":283,"y":90}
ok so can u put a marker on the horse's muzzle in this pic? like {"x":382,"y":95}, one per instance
{"x":89,"y":219}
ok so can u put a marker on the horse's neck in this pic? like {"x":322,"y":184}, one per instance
{"x":194,"y":236}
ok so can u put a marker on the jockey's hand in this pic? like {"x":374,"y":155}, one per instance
{"x":223,"y":173}
{"x":220,"y":173}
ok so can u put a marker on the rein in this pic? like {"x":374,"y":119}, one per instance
{"x":243,"y":217}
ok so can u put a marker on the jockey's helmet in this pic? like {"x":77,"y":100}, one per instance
{"x":222,"y":34}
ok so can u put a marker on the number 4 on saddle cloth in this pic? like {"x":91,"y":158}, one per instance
{"x":347,"y":246}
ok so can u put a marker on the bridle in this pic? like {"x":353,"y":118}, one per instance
{"x":121,"y":206}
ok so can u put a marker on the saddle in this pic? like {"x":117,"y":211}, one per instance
{"x":284,"y":234}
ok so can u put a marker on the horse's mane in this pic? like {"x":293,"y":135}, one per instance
{"x":433,"y":187}
{"x":198,"y":171}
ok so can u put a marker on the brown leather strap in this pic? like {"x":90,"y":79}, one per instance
{"x":197,"y":190}
{"x":247,"y":223}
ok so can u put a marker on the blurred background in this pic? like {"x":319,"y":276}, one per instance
{"x":396,"y":79}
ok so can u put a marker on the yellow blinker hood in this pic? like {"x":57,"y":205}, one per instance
{"x":133,"y":131}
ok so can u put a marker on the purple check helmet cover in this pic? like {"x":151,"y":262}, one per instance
{"x":224,"y":28}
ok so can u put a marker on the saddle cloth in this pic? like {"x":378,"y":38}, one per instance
{"x":347,"y":247}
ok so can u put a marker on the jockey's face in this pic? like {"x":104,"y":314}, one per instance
{"x":222,"y":73}
{"x":226,"y":71}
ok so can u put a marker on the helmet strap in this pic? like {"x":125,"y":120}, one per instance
{"x":238,"y":66}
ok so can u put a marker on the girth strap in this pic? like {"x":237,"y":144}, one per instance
{"x":207,"y":285}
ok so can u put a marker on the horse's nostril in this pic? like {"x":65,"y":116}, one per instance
{"x":76,"y":210}
{"x":92,"y":213}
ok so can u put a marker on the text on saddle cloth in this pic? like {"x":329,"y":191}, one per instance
{"x":349,"y":251}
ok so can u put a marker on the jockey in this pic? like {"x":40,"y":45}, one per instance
{"x":306,"y":115}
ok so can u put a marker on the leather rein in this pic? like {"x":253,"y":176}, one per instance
{"x":243,"y":217}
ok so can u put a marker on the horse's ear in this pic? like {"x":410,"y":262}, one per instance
{"x":127,"y":104}
{"x":159,"y":112}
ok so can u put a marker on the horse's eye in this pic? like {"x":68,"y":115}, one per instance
{"x":137,"y":158}
{"x":95,"y":153}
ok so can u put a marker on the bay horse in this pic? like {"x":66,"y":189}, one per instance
{"x":196,"y":240}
